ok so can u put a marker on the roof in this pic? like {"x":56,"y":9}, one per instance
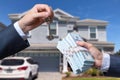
{"x":16,"y":57}
{"x":102,"y":43}
{"x":43,"y":46}
{"x":64,"y":16}
{"x":53,"y":45}
{"x":62,"y":12}
{"x":17,"y":15}
{"x":92,"y":20}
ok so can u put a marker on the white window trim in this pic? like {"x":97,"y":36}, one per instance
{"x":56,"y":29}
{"x":95,"y":32}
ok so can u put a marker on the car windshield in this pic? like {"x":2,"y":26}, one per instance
{"x":12,"y":62}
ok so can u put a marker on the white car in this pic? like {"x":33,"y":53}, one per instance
{"x":18,"y":68}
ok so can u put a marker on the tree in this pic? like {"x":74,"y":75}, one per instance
{"x":118,"y":52}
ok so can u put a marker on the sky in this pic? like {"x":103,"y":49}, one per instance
{"x":107,"y":10}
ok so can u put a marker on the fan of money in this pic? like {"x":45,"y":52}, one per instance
{"x":78,"y":57}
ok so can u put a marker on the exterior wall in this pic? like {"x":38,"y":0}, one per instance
{"x":39,"y":34}
{"x":62,"y":30}
{"x":102,"y":33}
{"x":83,"y":31}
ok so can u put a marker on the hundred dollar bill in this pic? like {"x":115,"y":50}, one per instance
{"x":84,"y":57}
{"x":78,"y":57}
{"x":69,"y":56}
{"x":72,"y":38}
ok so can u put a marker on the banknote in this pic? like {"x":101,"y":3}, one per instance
{"x":78,"y":57}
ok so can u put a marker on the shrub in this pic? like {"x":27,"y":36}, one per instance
{"x":93,"y":72}
{"x":68,"y":74}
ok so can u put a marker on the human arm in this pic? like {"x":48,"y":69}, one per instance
{"x":114,"y":68}
{"x":11,"y":41}
{"x":109,"y":64}
{"x":97,"y":55}
{"x":35,"y":17}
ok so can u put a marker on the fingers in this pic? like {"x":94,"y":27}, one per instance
{"x":42,"y":11}
{"x":84,"y":44}
{"x":41,"y":15}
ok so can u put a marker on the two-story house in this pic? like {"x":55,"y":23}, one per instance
{"x":44,"y":50}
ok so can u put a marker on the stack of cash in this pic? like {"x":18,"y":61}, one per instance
{"x":78,"y":57}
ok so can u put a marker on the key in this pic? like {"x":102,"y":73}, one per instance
{"x":50,"y":36}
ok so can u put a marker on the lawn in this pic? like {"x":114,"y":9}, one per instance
{"x":91,"y":78}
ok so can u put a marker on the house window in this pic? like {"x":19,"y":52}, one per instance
{"x":53,"y":28}
{"x":93,"y":32}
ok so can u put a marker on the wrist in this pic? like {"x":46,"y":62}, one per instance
{"x":98,"y":63}
{"x":22,"y":26}
{"x":20,"y":32}
{"x":105,"y":62}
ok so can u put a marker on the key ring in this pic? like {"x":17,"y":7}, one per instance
{"x":49,"y":20}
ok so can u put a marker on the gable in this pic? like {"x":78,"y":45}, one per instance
{"x":60,"y":12}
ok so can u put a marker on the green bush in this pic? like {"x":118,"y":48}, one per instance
{"x":93,"y":72}
{"x":68,"y":74}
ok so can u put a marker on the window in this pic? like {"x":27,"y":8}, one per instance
{"x":12,"y":62}
{"x":31,"y":61}
{"x":53,"y":28}
{"x":93,"y":32}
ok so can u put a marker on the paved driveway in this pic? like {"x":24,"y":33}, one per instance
{"x":49,"y":76}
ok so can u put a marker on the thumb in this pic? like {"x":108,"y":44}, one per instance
{"x":84,"y":44}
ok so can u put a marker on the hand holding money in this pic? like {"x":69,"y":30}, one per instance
{"x":78,"y":57}
{"x":94,"y":52}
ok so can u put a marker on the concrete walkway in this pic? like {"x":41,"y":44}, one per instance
{"x":49,"y":76}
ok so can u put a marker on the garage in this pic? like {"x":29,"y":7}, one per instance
{"x":48,"y":61}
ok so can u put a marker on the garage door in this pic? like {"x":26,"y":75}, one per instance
{"x":48,"y":62}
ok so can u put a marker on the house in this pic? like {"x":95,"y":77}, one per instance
{"x":44,"y":50}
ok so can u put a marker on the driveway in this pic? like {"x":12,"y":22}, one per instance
{"x":49,"y":76}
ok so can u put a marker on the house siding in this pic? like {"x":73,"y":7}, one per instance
{"x":83,"y":31}
{"x":39,"y":34}
{"x":101,"y":33}
{"x":62,"y":30}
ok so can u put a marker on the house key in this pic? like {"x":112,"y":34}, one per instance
{"x":50,"y":36}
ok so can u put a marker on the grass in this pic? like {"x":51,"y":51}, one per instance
{"x":91,"y":74}
{"x":91,"y":78}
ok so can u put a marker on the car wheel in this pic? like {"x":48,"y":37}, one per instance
{"x":36,"y":75}
{"x":30,"y":77}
